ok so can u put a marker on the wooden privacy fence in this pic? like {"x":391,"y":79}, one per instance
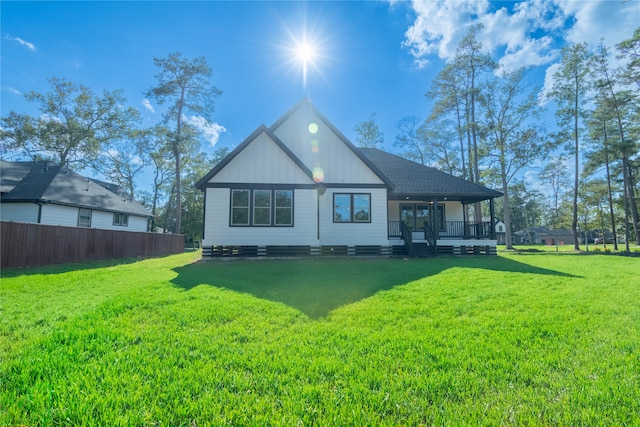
{"x":30,"y":245}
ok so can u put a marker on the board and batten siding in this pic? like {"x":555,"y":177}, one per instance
{"x":219,"y":232}
{"x":262,"y":161}
{"x":317,"y":146}
{"x":19,"y":212}
{"x":452,"y":210}
{"x":352,"y":234}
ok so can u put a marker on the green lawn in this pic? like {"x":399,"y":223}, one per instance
{"x":522,"y":338}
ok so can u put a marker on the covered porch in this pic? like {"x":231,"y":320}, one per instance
{"x":431,"y":226}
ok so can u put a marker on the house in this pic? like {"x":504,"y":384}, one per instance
{"x":500,"y":230}
{"x":544,"y":235}
{"x":42,"y":193}
{"x":299,"y":187}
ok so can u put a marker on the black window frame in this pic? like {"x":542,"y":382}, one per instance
{"x":272,"y":206}
{"x":351,"y":208}
{"x":440,"y":217}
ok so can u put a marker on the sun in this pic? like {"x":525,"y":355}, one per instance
{"x":305,"y":52}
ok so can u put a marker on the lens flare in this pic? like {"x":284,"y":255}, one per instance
{"x":318,"y":174}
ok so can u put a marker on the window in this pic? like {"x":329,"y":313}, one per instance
{"x":500,"y":228}
{"x":262,"y":208}
{"x":416,"y":216}
{"x":121,"y":219}
{"x":240,"y":207}
{"x":84,"y":217}
{"x":351,"y":207}
{"x":284,"y":207}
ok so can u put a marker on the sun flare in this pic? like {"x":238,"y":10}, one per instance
{"x":305,"y":52}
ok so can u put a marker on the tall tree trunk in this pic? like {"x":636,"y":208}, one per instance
{"x":574,"y":223}
{"x":610,"y":196}
{"x":506,"y":205}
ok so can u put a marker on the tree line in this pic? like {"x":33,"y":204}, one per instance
{"x":79,"y":127}
{"x":487,"y":126}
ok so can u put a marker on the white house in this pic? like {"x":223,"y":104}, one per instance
{"x":299,"y":187}
{"x":42,"y":193}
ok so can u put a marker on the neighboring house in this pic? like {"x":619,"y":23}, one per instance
{"x":38,"y":192}
{"x":300,"y":187}
{"x":500,"y":230}
{"x":544,"y":236}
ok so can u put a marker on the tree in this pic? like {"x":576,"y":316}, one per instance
{"x":569,"y":92}
{"x":411,"y":139}
{"x":599,"y":123}
{"x":439,"y":146}
{"x":368,"y":134}
{"x":74,"y":124}
{"x":630,"y":50}
{"x":471,"y":62}
{"x":184,"y":85}
{"x":513,"y":140}
{"x":447,"y":91}
{"x":618,"y":102}
{"x":556,"y":178}
{"x":193,"y":205}
{"x":123,"y":160}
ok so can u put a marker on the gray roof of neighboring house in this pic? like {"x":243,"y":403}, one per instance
{"x":409,"y":179}
{"x":41,"y":182}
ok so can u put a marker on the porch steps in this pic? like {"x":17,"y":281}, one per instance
{"x":423,"y":250}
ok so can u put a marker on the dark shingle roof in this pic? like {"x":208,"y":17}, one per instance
{"x":56,"y":184}
{"x":411,"y":179}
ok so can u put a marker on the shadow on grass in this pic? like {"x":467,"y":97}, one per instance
{"x":66,"y":267}
{"x":317,"y":286}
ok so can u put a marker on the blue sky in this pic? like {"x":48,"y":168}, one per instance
{"x":371,"y":56}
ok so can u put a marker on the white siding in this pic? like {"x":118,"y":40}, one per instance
{"x":60,"y":215}
{"x":104,"y":220}
{"x":218,"y":231}
{"x":452,"y":210}
{"x":352,"y":234}
{"x":262,"y":161}
{"x":20,"y":212}
{"x":323,"y":149}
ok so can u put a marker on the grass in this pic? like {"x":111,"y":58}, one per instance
{"x":532,"y":338}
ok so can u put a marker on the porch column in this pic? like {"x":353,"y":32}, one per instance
{"x":434,"y":220}
{"x":492,"y":209}
{"x":465,"y":220}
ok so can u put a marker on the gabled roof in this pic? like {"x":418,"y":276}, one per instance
{"x":261,"y":129}
{"x":411,"y":179}
{"x":306,"y":101}
{"x":46,"y":183}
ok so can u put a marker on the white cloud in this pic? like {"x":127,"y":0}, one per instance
{"x":210,"y":131}
{"x":13,"y":90}
{"x":529,"y":33}
{"x":25,"y":43}
{"x":440,"y":25}
{"x":146,"y":104}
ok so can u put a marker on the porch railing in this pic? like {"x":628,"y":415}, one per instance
{"x":451,"y":229}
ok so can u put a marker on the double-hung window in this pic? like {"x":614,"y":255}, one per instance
{"x":262,"y":208}
{"x":84,"y":217}
{"x":351,"y":207}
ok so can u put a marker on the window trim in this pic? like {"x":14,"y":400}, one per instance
{"x":439,"y":207}
{"x":80,"y":210}
{"x":251,"y":207}
{"x":120,"y":219}
{"x":351,"y":208}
